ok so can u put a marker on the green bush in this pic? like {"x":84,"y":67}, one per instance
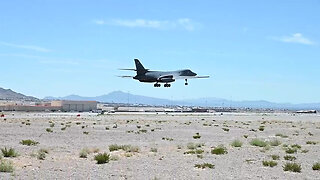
{"x":197,"y":136}
{"x":316,"y":166}
{"x":269,"y":163}
{"x":219,"y":150}
{"x":204,"y":165}
{"x":29,"y":142}
{"x":102,"y":158}
{"x":258,"y":142}
{"x":9,"y":152}
{"x":293,"y":167}
{"x":275,"y":157}
{"x":289,"y":158}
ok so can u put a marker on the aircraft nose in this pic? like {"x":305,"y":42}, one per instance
{"x":194,"y":74}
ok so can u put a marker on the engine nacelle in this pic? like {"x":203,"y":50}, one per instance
{"x":167,"y":80}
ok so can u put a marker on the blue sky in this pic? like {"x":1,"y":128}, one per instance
{"x":252,"y":50}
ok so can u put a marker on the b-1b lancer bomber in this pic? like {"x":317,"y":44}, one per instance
{"x":157,"y":77}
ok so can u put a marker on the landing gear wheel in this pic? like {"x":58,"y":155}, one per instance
{"x":167,"y":85}
{"x":186,"y":83}
{"x":156,"y":85}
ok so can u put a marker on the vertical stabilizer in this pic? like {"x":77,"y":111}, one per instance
{"x":139,"y":67}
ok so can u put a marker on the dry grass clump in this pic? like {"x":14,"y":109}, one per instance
{"x":275,"y":142}
{"x":6,"y":166}
{"x":84,"y":153}
{"x":219,"y":150}
{"x":204,"y":165}
{"x":293,"y":167}
{"x":236,"y":143}
{"x":194,"y":145}
{"x":42,"y":154}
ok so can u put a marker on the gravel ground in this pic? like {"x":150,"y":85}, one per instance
{"x":169,"y":134}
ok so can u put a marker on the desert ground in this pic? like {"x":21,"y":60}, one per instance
{"x":160,"y":145}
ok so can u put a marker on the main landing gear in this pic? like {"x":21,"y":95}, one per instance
{"x":167,"y":85}
{"x":156,"y":85}
{"x":186,"y":83}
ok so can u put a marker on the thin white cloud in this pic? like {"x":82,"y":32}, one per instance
{"x":184,"y":23}
{"x":295,"y":38}
{"x":28,"y":47}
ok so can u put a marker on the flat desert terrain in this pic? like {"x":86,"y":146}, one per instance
{"x":161,"y":146}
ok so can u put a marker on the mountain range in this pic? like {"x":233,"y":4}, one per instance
{"x":122,"y":97}
{"x":8,"y":94}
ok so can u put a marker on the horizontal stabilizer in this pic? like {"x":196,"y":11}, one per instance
{"x":128,"y":69}
{"x":201,"y":76}
{"x":126,"y":76}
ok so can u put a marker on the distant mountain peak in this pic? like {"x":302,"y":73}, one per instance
{"x":8,"y":94}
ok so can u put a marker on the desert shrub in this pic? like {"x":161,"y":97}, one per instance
{"x":9,"y":152}
{"x":41,"y":155}
{"x":219,"y":150}
{"x":258,"y":142}
{"x":196,"y":136}
{"x":6,"y":166}
{"x":275,"y":142}
{"x":245,"y":136}
{"x":29,"y":142}
{"x":281,"y":135}
{"x":275,"y":157}
{"x":204,"y":165}
{"x":293,"y":167}
{"x":291,"y":150}
{"x":311,"y":142}
{"x":316,"y":166}
{"x":261,"y":128}
{"x":154,"y":150}
{"x":194,"y":145}
{"x":49,"y":130}
{"x":297,"y":146}
{"x":127,"y":148}
{"x":289,"y":158}
{"x":236,"y":143}
{"x":102,"y":158}
{"x":226,"y":129}
{"x":269,"y":163}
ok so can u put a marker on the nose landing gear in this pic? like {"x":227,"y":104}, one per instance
{"x":186,"y":83}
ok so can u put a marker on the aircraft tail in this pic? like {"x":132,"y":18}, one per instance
{"x":139,"y":67}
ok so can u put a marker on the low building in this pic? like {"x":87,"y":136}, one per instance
{"x":80,"y":106}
